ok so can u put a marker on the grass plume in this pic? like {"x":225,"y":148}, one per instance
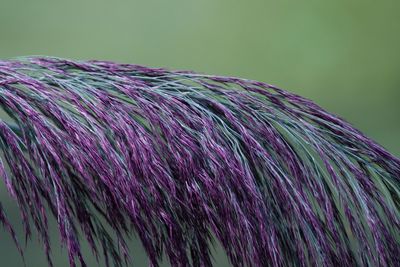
{"x":179,"y":158}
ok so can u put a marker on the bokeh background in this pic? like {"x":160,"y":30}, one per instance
{"x":342,"y":54}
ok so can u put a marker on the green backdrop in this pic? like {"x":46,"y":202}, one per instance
{"x":342,"y":54}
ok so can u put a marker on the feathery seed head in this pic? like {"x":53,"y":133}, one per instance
{"x":180,"y":158}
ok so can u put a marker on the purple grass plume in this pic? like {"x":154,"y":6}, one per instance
{"x":184,"y":161}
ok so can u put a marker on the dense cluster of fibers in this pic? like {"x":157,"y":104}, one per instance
{"x":183,"y":160}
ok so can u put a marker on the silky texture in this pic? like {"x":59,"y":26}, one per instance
{"x":182,"y":160}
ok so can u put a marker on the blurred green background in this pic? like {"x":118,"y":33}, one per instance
{"x":342,"y":54}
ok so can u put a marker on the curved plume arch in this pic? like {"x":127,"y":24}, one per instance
{"x":181,"y":158}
